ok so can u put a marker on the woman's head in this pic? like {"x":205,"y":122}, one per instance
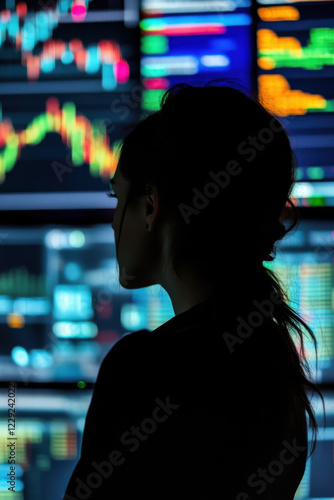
{"x":209,"y":173}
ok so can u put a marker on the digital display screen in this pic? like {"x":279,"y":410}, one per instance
{"x":69,"y":91}
{"x":62,"y":306}
{"x":194,"y":42}
{"x":295,"y":78}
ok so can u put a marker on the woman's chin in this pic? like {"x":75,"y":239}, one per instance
{"x":130,"y":281}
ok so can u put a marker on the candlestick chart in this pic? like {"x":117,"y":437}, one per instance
{"x":65,"y":67}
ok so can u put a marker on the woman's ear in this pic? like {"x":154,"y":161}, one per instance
{"x":152,"y":206}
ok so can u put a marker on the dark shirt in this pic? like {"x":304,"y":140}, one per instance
{"x":195,"y":408}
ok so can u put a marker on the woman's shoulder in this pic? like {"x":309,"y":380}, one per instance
{"x":131,"y":344}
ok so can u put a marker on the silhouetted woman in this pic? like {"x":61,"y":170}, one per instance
{"x":212,"y":404}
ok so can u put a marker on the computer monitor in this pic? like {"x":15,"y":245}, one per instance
{"x":295,"y":80}
{"x":62,"y":306}
{"x":69,"y":91}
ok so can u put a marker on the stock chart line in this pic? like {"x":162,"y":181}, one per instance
{"x":89,"y":142}
{"x":38,"y":28}
{"x":278,"y":52}
{"x":276,"y":91}
{"x":105,"y":55}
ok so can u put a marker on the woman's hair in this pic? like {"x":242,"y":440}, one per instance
{"x":224,"y":169}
